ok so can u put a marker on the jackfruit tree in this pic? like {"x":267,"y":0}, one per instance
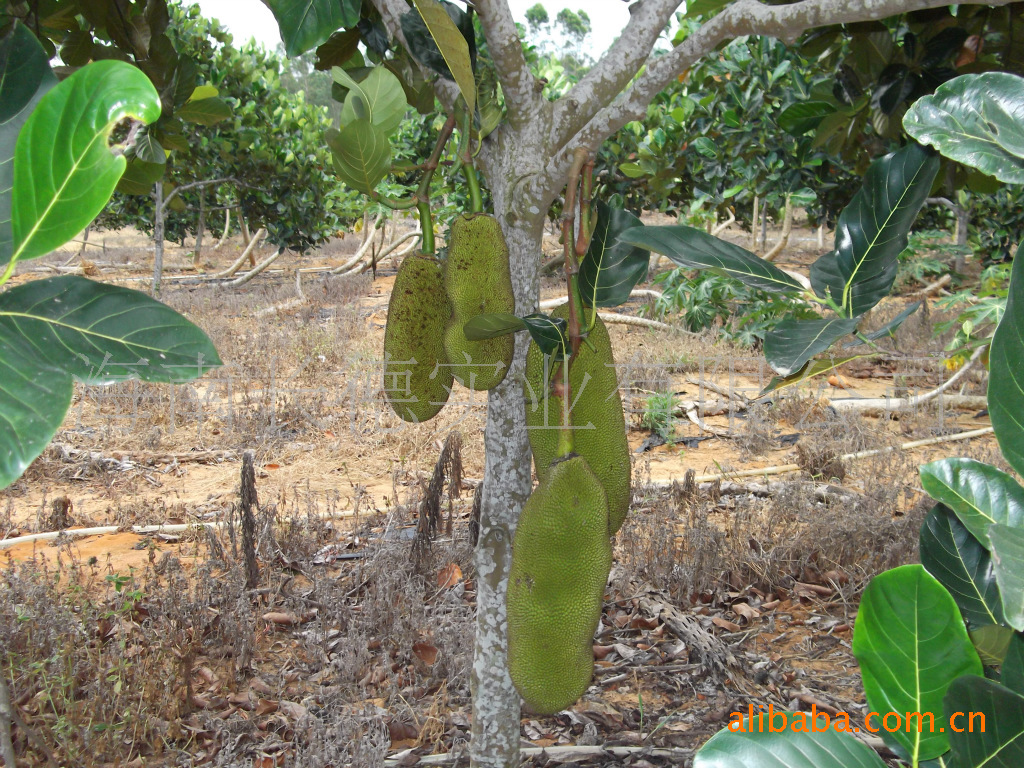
{"x":387,"y":56}
{"x":527,"y":149}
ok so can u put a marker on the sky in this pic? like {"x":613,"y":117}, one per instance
{"x":251,"y":18}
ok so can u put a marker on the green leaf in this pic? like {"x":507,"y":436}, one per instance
{"x":304,"y":24}
{"x":338,"y":49}
{"x":25,"y":76}
{"x":692,"y":247}
{"x":889,"y":329}
{"x":53,"y":329}
{"x":548,"y":332}
{"x":610,"y":269}
{"x":452,"y":45}
{"x":705,"y":146}
{"x":791,"y":343}
{"x":995,"y":736}
{"x":799,"y":743}
{"x":1007,"y":544}
{"x":804,"y":116}
{"x":381,"y":92}
{"x":977,"y":120}
{"x":1013,"y":665}
{"x":962,"y":564}
{"x":911,"y":644}
{"x":1006,"y":371}
{"x":873,"y":229}
{"x":64,"y":173}
{"x":148,"y":149}
{"x":632,"y":170}
{"x":992,"y":642}
{"x":362,"y":154}
{"x":205,"y":111}
{"x":203,"y":92}
{"x":491,"y":325}
{"x":139,"y":177}
{"x":809,"y":371}
{"x":978,"y":493}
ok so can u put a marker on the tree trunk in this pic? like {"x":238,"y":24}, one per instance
{"x":507,"y":471}
{"x":753,"y":223}
{"x":158,"y":236}
{"x":201,"y":226}
{"x":963,"y":218}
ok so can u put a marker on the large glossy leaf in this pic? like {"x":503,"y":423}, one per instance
{"x":873,"y":229}
{"x":1007,"y":544}
{"x":797,"y":744}
{"x":208,"y":111}
{"x":1013,"y":665}
{"x":803,"y":116}
{"x":548,"y":332}
{"x":381,"y":92}
{"x":610,"y":269}
{"x":692,"y":247}
{"x":962,"y":565}
{"x":977,"y":120}
{"x":978,"y":493}
{"x":491,"y":325}
{"x":453,"y":47}
{"x":51,"y":330}
{"x":362,"y":154}
{"x":64,"y":173}
{"x":791,"y":343}
{"x":889,"y":328}
{"x":1006,"y":371}
{"x":304,"y":24}
{"x":986,"y":724}
{"x":812,"y":369}
{"x":992,"y":642}
{"x":911,"y":643}
{"x":25,"y":76}
{"x":139,"y":177}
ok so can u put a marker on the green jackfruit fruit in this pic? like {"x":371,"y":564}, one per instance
{"x":478,"y":281}
{"x":599,"y":425}
{"x":417,"y":379}
{"x":561,"y":556}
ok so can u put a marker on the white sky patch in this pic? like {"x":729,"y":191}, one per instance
{"x":252,"y":19}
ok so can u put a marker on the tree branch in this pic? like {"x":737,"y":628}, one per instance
{"x":743,"y":17}
{"x":522,"y":90}
{"x":616,"y":67}
{"x":191,"y":185}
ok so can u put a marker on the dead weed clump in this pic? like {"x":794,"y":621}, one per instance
{"x":771,"y":536}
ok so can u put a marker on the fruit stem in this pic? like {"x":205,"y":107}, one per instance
{"x":423,"y":193}
{"x":565,"y":442}
{"x":476,"y":200}
{"x":572,"y":266}
{"x":585,"y":232}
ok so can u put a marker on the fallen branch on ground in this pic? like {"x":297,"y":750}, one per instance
{"x":784,"y":468}
{"x":931,"y":288}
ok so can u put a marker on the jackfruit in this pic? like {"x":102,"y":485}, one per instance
{"x":417,"y":379}
{"x":599,"y":425}
{"x":478,"y":280}
{"x":561,"y":556}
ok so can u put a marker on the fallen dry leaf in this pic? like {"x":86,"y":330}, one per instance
{"x":601,"y":651}
{"x":449,"y":576}
{"x":746,"y":611}
{"x":725,"y":624}
{"x":400,"y":731}
{"x":425,"y":652}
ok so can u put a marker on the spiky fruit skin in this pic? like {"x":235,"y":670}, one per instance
{"x":596,"y":403}
{"x":417,"y":314}
{"x":561,"y":556}
{"x":478,"y":280}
